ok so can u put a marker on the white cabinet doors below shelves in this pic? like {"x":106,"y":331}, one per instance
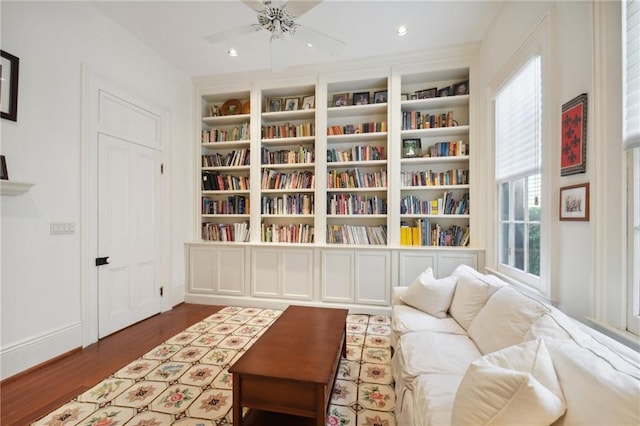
{"x":282,"y":273}
{"x":217,"y":270}
{"x":354,"y":276}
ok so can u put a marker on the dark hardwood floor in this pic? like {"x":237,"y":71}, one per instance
{"x":31,"y":395}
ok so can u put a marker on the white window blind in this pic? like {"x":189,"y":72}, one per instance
{"x":518,"y":116}
{"x":631,"y":69}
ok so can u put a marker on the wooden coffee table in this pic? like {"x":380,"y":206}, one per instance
{"x":291,"y":368}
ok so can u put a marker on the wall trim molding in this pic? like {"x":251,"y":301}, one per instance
{"x":19,"y":356}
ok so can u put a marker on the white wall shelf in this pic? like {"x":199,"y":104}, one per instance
{"x":14,"y":188}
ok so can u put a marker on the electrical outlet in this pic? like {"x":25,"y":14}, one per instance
{"x":63,"y":228}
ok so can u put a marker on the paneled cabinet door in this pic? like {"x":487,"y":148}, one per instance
{"x":217,"y":270}
{"x":373,"y":277}
{"x":282,"y":272}
{"x":448,"y":262}
{"x":356,"y":276}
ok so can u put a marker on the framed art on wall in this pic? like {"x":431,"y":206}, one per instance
{"x":9,"y":69}
{"x":574,"y":202}
{"x":574,"y":136}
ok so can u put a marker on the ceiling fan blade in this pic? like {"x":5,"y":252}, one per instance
{"x":278,"y":54}
{"x":297,"y":8}
{"x":318,"y":39}
{"x":256,"y":5}
{"x":231,"y":33}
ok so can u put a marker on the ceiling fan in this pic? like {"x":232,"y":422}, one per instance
{"x":278,"y":17}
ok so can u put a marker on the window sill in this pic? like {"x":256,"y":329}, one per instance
{"x":626,"y":338}
{"x":527,"y":289}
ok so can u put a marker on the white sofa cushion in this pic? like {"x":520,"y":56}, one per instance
{"x":423,"y":352}
{"x":504,"y":320}
{"x":433,"y":398}
{"x":429,"y":294}
{"x":405,"y":319}
{"x":599,"y":386}
{"x":473,"y":289}
{"x":517,"y":385}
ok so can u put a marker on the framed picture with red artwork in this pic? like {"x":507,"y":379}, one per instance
{"x":574,"y":136}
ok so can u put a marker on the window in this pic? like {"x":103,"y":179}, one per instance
{"x":518,"y":134}
{"x":631,"y":134}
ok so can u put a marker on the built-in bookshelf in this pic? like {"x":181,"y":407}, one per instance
{"x":357,"y":178}
{"x":434,"y":159}
{"x":287,"y":165}
{"x":292,"y":171}
{"x":225,"y":162}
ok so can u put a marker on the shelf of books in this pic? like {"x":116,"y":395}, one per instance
{"x":434,"y":159}
{"x":357,"y":163}
{"x":225,"y":167}
{"x":287,"y":163}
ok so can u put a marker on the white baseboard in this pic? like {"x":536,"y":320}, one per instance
{"x":28,"y":353}
{"x":256,"y":302}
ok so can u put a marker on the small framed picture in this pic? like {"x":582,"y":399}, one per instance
{"x":9,"y":69}
{"x":461,"y":88}
{"x":574,"y":202}
{"x":411,"y":148}
{"x":340,"y":99}
{"x":361,"y":98}
{"x":380,"y":97}
{"x":445,"y":91}
{"x":291,"y":104}
{"x":428,"y":93}
{"x":4,"y":174}
{"x":274,"y":104}
{"x":309,"y":102}
{"x":573,"y":155}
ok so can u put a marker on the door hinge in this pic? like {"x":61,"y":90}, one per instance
{"x":161,"y":168}
{"x":161,"y":291}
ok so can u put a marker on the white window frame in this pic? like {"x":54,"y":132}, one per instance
{"x":633,"y":243}
{"x":538,"y":44}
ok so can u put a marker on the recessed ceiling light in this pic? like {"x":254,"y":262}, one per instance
{"x":309,"y":45}
{"x":233,"y":52}
{"x":402,"y":31}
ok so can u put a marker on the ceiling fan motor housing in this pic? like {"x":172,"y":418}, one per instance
{"x":278,"y":21}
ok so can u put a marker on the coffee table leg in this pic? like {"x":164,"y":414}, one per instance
{"x":237,"y":405}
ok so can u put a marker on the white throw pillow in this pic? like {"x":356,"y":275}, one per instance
{"x":430,"y":295}
{"x":515,"y":386}
{"x":504,"y":320}
{"x":472,"y":292}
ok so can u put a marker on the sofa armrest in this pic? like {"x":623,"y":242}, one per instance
{"x":396,"y":295}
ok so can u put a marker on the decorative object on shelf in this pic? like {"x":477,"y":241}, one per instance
{"x":214,"y":110}
{"x":461,"y":88}
{"x":4,"y":174}
{"x":291,"y":104}
{"x":340,"y":99}
{"x":411,"y":148}
{"x":426,"y":94}
{"x":274,"y":104}
{"x":231,"y":107}
{"x":574,"y":136}
{"x":404,"y":97}
{"x":445,"y":91}
{"x":246,"y":107}
{"x":361,"y":98}
{"x":574,"y":202}
{"x":9,"y":70}
{"x":309,"y":102}
{"x":380,"y":97}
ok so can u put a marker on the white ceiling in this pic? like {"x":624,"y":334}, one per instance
{"x":175,"y":29}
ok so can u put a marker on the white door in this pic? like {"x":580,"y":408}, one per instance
{"x":129,"y":224}
{"x":128,"y":233}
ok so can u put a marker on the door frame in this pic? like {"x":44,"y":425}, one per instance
{"x":92,"y":82}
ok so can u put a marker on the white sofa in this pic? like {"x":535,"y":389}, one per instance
{"x":470,"y":349}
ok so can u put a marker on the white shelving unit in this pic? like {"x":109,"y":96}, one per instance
{"x":8,"y":187}
{"x":355,"y":271}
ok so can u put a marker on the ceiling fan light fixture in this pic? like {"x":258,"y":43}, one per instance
{"x":402,"y":31}
{"x":233,"y":53}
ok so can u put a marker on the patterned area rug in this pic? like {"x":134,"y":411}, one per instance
{"x":185,"y":380}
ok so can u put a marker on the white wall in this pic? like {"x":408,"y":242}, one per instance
{"x":41,"y":289}
{"x":574,"y":266}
